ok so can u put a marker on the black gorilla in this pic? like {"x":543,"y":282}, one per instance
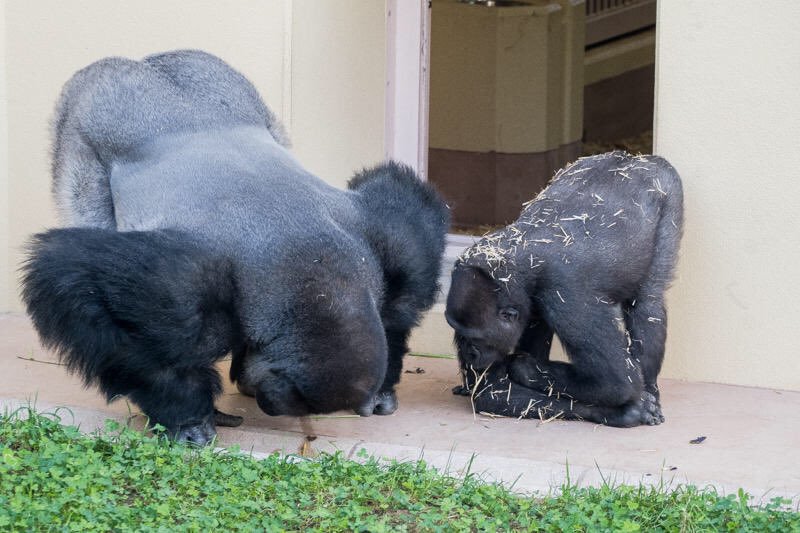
{"x":198,"y":233}
{"x":588,"y":259}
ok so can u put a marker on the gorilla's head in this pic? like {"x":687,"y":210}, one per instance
{"x":331,"y":355}
{"x":299,"y":390}
{"x":488,"y":315}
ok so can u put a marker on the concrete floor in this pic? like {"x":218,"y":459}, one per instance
{"x":752,"y":435}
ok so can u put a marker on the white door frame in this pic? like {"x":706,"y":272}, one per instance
{"x":407,"y":59}
{"x":408,"y":27}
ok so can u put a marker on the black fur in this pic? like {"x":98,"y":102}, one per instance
{"x":589,"y":260}
{"x":143,"y":314}
{"x":225,"y":243}
{"x":405,"y":258}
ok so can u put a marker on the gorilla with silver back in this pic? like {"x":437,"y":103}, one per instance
{"x":588,"y":259}
{"x":198,"y":233}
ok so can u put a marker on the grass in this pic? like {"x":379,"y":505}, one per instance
{"x":52,"y":477}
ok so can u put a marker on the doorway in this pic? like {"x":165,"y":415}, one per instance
{"x":517,"y":89}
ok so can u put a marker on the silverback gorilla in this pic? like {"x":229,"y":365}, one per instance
{"x":588,"y":259}
{"x":197,"y":233}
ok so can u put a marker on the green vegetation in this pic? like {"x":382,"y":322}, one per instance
{"x":53,"y":477}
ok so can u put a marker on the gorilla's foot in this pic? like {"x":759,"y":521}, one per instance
{"x":226,"y":420}
{"x":647,"y":411}
{"x":651,"y":412}
{"x":199,"y":433}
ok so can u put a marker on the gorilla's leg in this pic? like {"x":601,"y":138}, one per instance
{"x":602,"y":371}
{"x":80,"y":181}
{"x":496,"y":393}
{"x":211,"y":83}
{"x":386,"y":399}
{"x":646,"y":320}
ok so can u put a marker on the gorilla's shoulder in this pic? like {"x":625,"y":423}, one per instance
{"x":388,"y":170}
{"x":392,"y":182}
{"x":117,"y":103}
{"x":406,"y":224}
{"x":200,"y":59}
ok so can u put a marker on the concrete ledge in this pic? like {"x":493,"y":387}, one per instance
{"x":752,"y":434}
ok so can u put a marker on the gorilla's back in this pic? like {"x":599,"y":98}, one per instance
{"x":116,"y":103}
{"x":597,"y":209}
{"x":181,"y":140}
{"x":233,"y":186}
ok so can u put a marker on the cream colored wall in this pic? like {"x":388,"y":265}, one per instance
{"x":318,"y":63}
{"x":338,"y":85}
{"x":7,"y":288}
{"x":727,"y":105}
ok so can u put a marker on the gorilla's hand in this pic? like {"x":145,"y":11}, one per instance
{"x":204,"y":431}
{"x":461,"y":390}
{"x":525,"y":369}
{"x":199,"y":433}
{"x":383,"y":403}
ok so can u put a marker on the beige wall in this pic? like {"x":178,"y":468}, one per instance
{"x":727,"y":105}
{"x":726,"y":116}
{"x":338,"y":85}
{"x":7,"y":289}
{"x":318,"y":63}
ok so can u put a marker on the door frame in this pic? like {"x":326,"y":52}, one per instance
{"x":407,"y":83}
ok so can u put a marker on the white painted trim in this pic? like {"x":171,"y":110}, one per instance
{"x":391,"y":75}
{"x":286,"y":67}
{"x":656,"y":99}
{"x":8,"y":294}
{"x":424,"y":88}
{"x":407,"y":56}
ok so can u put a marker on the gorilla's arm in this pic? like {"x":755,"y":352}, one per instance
{"x":536,"y":340}
{"x":405,"y":223}
{"x":143,"y":314}
{"x":601,"y":370}
{"x":496,"y":393}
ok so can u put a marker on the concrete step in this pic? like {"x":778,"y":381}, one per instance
{"x":752,"y":434}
